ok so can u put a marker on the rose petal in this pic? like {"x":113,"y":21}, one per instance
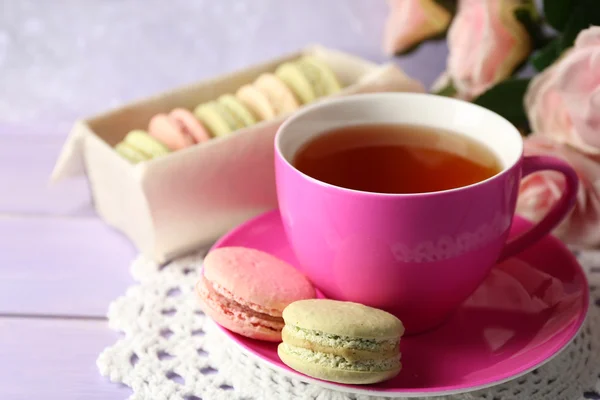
{"x":412,"y":21}
{"x":588,"y":37}
{"x":562,"y":101}
{"x":540,"y":191}
{"x":486,"y":43}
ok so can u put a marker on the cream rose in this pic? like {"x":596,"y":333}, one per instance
{"x":412,"y":21}
{"x":563,"y":102}
{"x":486,"y":43}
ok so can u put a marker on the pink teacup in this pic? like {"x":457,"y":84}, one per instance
{"x":418,"y":256}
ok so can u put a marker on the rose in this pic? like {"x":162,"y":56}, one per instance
{"x":563,"y":102}
{"x":412,"y":21}
{"x":540,"y":191}
{"x":486,"y":43}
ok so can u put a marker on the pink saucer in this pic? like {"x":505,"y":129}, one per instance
{"x":525,"y":313}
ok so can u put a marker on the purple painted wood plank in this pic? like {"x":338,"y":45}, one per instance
{"x":55,"y":360}
{"x":25,"y":166}
{"x":61,"y":266}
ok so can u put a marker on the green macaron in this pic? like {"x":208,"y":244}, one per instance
{"x":218,"y":118}
{"x":323,"y":78}
{"x":131,"y":153}
{"x":238,"y":110}
{"x":138,"y":146}
{"x":294,"y":77}
{"x":309,"y":78}
{"x":340,"y":341}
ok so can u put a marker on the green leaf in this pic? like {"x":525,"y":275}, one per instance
{"x":506,"y":99}
{"x":557,"y":12}
{"x":528,"y":17}
{"x":448,"y":91}
{"x":408,"y":50}
{"x":547,"y":55}
{"x":585,"y":15}
{"x":416,"y":46}
{"x":449,"y":5}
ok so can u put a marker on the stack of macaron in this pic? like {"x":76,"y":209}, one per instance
{"x":292,"y":85}
{"x":257,"y":295}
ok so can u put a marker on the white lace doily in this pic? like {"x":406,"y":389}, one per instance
{"x":170,"y":350}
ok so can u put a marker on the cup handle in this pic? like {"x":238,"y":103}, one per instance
{"x":533,"y":164}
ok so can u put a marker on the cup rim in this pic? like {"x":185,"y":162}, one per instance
{"x":366,"y":96}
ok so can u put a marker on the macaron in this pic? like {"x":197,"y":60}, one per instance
{"x":309,"y":78}
{"x":294,"y":77}
{"x":280,"y":96}
{"x":340,"y":341}
{"x":245,"y":290}
{"x":178,"y":129}
{"x":256,"y":101}
{"x":217,"y":118}
{"x":139,"y":146}
{"x":321,"y":75}
{"x":238,"y":110}
{"x":131,"y":153}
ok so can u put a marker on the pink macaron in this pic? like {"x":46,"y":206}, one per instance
{"x":246,"y":290}
{"x":178,"y":129}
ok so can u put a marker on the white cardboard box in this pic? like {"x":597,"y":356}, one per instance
{"x":171,"y":205}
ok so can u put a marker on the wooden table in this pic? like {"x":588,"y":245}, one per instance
{"x":60,"y":265}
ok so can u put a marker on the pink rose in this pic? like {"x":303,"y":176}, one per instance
{"x":412,"y":21}
{"x":486,"y":43}
{"x":563,"y":102}
{"x":541,"y":190}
